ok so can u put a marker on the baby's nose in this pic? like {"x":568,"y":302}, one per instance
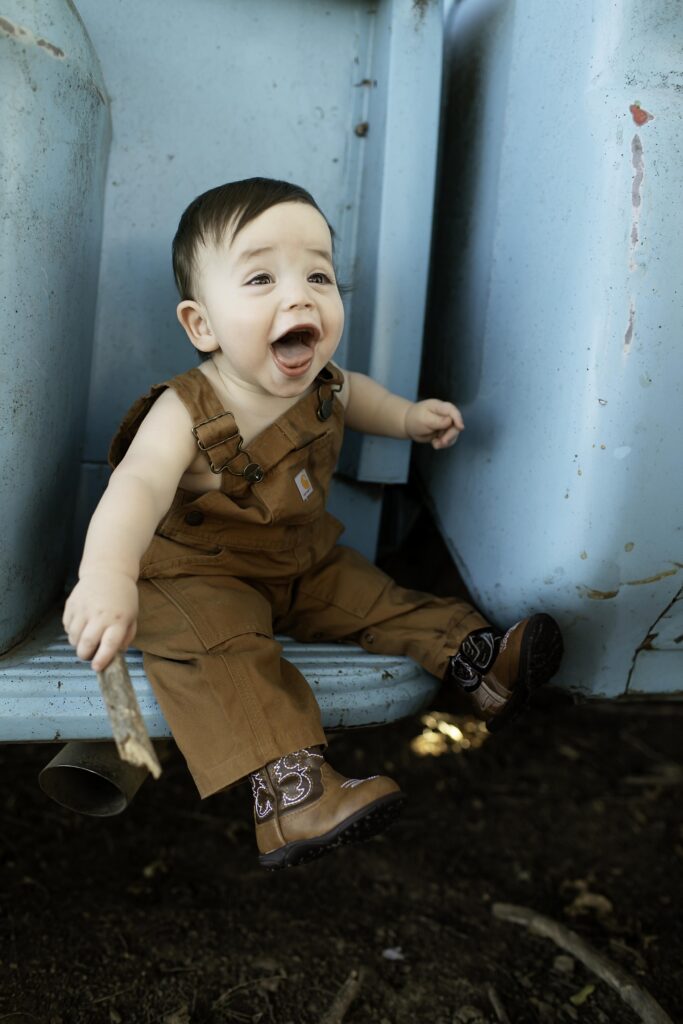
{"x":299,"y":301}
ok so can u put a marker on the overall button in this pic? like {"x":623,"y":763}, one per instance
{"x":325,"y":409}
{"x":253,"y":473}
{"x":194,"y":517}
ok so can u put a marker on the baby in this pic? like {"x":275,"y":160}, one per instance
{"x":213,"y":534}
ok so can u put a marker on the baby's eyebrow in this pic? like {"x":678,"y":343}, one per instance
{"x":250,"y":254}
{"x":324,"y":254}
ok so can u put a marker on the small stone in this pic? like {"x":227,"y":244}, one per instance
{"x":564,"y":964}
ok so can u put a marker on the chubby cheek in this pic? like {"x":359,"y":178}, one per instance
{"x":338,"y":314}
{"x":334,"y":326}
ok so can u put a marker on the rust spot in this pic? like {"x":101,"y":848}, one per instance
{"x":54,"y":50}
{"x":639,"y":115}
{"x":652,"y":579}
{"x":362,"y":129}
{"x":369,"y":82}
{"x":600,"y":595}
{"x":8,"y":27}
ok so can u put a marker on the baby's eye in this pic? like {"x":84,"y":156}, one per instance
{"x":319,"y":278}
{"x":260,"y":279}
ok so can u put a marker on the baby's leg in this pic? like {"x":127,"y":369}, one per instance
{"x":236,"y":708}
{"x":232,"y":702}
{"x":345,"y":597}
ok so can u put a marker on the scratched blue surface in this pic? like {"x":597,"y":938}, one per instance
{"x":53,"y":150}
{"x":557,"y":321}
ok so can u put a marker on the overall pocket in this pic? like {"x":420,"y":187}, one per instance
{"x":295,"y":490}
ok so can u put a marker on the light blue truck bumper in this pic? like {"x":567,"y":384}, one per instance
{"x":46,"y":694}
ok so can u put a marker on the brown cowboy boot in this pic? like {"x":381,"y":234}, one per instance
{"x":303,"y":808}
{"x":499,"y":671}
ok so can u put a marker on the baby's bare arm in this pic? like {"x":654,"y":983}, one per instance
{"x":372,"y":409}
{"x":100,"y":616}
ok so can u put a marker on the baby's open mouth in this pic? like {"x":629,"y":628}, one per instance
{"x":293,"y":351}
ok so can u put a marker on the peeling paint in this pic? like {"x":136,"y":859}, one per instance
{"x":606,"y":595}
{"x":420,"y":8}
{"x":639,"y":166}
{"x":628,"y":337}
{"x":597,"y":595}
{"x":638,"y":163}
{"x":8,"y":28}
{"x":54,"y":50}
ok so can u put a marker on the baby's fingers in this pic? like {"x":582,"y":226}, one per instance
{"x":114,"y":639}
{"x":451,"y":412}
{"x":73,"y":626}
{"x":446,"y":438}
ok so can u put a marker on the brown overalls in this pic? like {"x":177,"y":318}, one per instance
{"x":228,"y":568}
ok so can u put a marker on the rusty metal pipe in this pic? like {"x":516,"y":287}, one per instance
{"x":91,"y":778}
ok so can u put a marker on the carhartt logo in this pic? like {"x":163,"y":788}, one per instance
{"x":304,"y":484}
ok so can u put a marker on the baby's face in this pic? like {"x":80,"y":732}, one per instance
{"x":272,"y":301}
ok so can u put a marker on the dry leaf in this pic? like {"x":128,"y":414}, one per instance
{"x":579,"y":998}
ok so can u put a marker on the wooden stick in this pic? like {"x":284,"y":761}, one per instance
{"x":633,"y":994}
{"x":130,"y":735}
{"x":344,"y":997}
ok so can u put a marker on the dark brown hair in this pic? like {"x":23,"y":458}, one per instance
{"x":226,"y":210}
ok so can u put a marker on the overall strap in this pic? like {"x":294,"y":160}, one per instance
{"x":330,"y":380}
{"x":217,"y":435}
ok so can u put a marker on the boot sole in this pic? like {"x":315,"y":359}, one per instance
{"x":540,"y":656}
{"x":364,"y":824}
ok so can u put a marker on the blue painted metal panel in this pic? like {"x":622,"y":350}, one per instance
{"x":557,"y":284}
{"x":46,"y":694}
{"x":339,"y":97}
{"x":395,"y":220}
{"x":53,"y":150}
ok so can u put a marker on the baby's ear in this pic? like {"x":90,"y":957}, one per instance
{"x":195,"y":322}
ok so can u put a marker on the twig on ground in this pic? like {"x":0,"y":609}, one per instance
{"x":499,"y":1009}
{"x":344,"y":997}
{"x":633,"y":994}
{"x":497,"y":1005}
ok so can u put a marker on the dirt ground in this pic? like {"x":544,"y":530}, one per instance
{"x":162,"y":915}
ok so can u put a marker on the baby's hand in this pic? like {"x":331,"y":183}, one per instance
{"x":434,"y":421}
{"x":100,"y":616}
